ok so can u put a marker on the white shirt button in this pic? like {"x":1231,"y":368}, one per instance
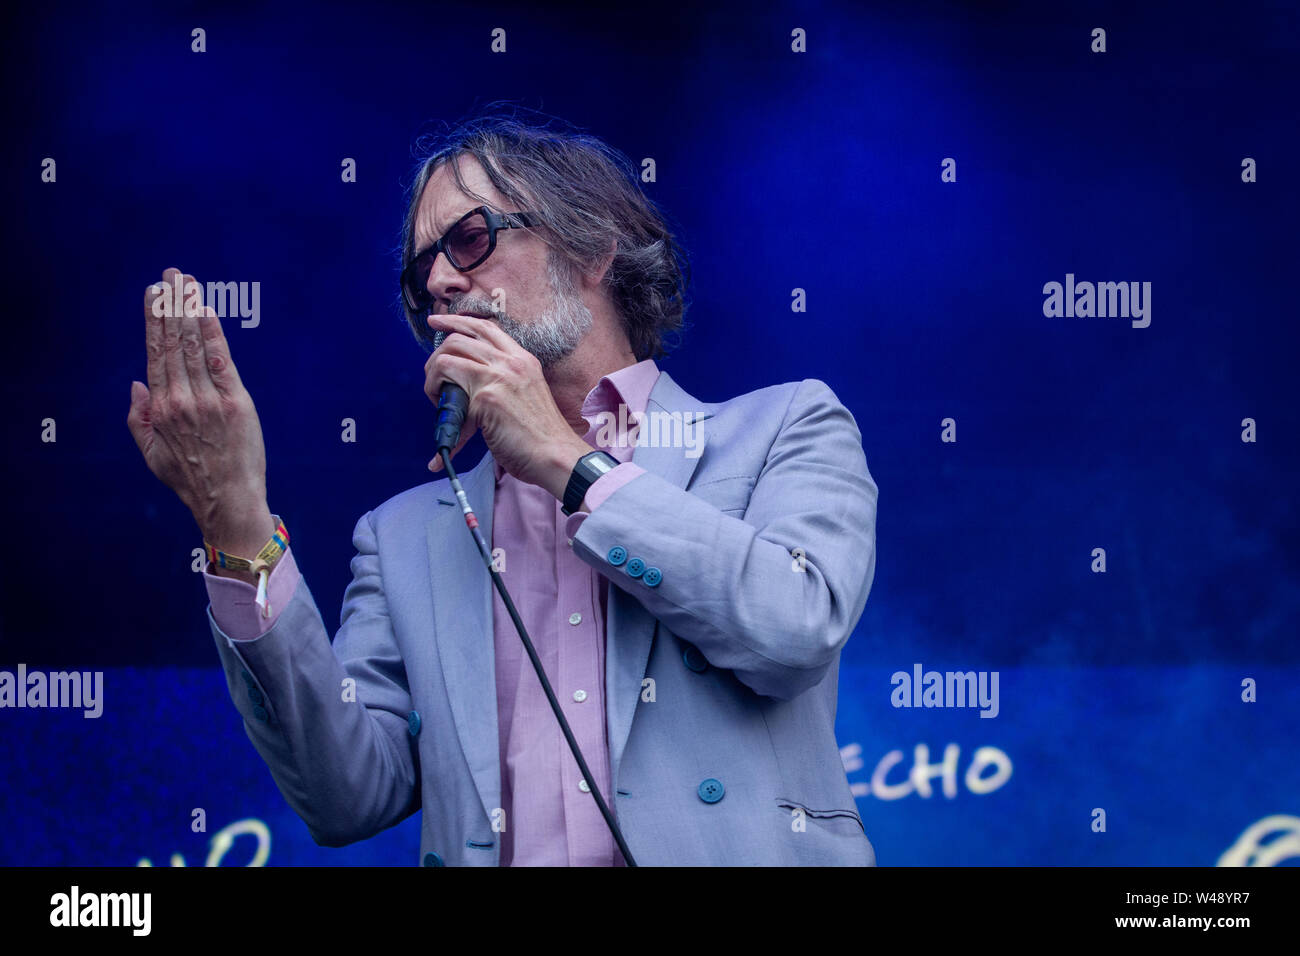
{"x":575,"y":618}
{"x":582,"y":785}
{"x":571,"y":542}
{"x":580,"y":695}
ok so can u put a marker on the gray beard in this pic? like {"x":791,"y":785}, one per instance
{"x":553,"y":335}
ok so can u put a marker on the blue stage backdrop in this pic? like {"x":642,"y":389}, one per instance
{"x":1095,"y":516}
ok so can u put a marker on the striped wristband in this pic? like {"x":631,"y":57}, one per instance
{"x":260,"y":565}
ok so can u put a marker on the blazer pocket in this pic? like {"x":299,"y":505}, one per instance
{"x":840,"y":821}
{"x":729,"y":495}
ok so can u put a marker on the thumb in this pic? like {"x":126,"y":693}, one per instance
{"x":137,"y":418}
{"x":468,"y":432}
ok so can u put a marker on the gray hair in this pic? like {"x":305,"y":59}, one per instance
{"x":588,"y":198}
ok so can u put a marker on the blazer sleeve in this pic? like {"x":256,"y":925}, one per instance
{"x":737,"y":588}
{"x":331,"y":721}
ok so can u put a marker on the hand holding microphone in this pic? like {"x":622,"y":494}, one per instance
{"x":510,"y":398}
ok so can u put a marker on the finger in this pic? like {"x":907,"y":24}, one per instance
{"x":137,"y":417}
{"x":220,"y":369}
{"x":451,"y":368}
{"x":192,"y":354}
{"x":475,"y":328}
{"x":178,"y":379}
{"x":461,"y":345}
{"x":478,"y":349}
{"x":175,"y":280}
{"x":428,"y":362}
{"x":156,"y":301}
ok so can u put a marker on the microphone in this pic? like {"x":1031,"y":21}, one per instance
{"x":453,"y":407}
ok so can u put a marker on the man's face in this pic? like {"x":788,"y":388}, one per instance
{"x":522,"y":286}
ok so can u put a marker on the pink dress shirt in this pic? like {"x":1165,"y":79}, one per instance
{"x":551,"y":819}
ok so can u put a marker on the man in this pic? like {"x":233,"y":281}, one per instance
{"x":689,"y":602}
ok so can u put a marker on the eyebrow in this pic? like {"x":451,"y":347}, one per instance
{"x":459,"y":216}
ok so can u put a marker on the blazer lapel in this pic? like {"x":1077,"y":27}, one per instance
{"x":630,"y":628}
{"x":462,"y":617}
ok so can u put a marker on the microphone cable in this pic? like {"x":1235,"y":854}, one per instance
{"x":471,"y":521}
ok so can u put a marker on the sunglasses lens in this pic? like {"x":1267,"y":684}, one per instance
{"x":469,"y":241}
{"x":415,"y":282}
{"x":467,"y":245}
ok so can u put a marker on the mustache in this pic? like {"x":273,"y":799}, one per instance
{"x":476,"y":307}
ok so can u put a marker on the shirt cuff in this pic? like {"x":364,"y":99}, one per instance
{"x":600,"y":489}
{"x":234,"y":607}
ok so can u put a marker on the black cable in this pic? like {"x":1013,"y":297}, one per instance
{"x":471,"y":521}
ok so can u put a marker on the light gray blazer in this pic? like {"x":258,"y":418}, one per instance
{"x":766,"y":547}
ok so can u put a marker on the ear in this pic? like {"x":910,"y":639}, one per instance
{"x":594,"y":278}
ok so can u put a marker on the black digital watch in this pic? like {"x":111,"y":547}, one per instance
{"x":589,"y":467}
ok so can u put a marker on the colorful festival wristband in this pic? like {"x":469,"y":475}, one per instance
{"x":260,"y":565}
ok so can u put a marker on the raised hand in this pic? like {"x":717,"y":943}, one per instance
{"x":195,"y":423}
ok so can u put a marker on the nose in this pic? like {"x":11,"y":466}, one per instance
{"x":445,"y":282}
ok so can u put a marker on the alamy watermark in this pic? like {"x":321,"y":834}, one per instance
{"x":947,"y":689}
{"x":129,"y":910}
{"x":656,"y":428}
{"x":84,"y":689}
{"x":1084,"y":300}
{"x":241,"y":300}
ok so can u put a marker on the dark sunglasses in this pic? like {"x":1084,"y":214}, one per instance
{"x":467,"y":244}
